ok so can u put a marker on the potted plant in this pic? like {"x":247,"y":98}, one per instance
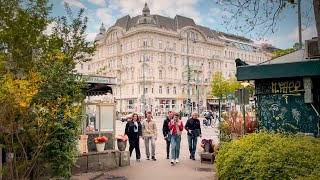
{"x":122,"y":142}
{"x":100,"y":143}
{"x":207,"y":145}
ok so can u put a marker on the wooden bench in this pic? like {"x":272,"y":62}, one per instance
{"x":207,"y":158}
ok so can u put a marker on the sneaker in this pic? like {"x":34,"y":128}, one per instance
{"x":148,"y":158}
{"x":172,"y":161}
{"x":138,"y":160}
{"x":177,"y":160}
{"x":193,"y":158}
{"x":153,"y":158}
{"x":190,"y":157}
{"x":167,"y":157}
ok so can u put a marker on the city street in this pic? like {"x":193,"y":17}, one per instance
{"x":162,"y":169}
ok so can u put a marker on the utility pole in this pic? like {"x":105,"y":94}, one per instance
{"x":198,"y":93}
{"x":144,"y":86}
{"x":188,"y":79}
{"x":299,"y":24}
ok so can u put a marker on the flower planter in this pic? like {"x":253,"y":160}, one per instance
{"x":121,"y":145}
{"x":206,"y":147}
{"x":100,"y":146}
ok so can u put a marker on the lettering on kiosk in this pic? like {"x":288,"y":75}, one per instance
{"x":286,"y":87}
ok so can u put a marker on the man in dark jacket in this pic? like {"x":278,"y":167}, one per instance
{"x":194,"y":131}
{"x":166,"y":131}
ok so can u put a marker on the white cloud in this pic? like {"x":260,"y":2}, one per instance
{"x":211,"y":20}
{"x":90,"y":36}
{"x":308,"y":33}
{"x":105,"y":15}
{"x":164,"y":7}
{"x":98,"y":2}
{"x":49,"y":29}
{"x":74,"y":3}
{"x":219,"y":13}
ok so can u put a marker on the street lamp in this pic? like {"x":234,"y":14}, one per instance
{"x":144,"y":84}
{"x":188,"y":66}
{"x":244,"y":84}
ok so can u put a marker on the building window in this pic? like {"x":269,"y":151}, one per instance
{"x":209,"y":65}
{"x":168,"y":44}
{"x":160,"y":44}
{"x":168,"y":90}
{"x":132,"y":91}
{"x":146,"y":90}
{"x":175,"y":60}
{"x":88,"y":66}
{"x":160,"y":74}
{"x":163,"y":59}
{"x":174,"y":90}
{"x":170,"y":60}
{"x":226,"y":65}
{"x":182,"y":48}
{"x":152,"y":90}
{"x":160,"y":89}
{"x":145,"y":43}
{"x":81,"y":66}
{"x":174,"y":46}
{"x":182,"y":61}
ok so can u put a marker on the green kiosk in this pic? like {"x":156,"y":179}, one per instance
{"x":288,"y":93}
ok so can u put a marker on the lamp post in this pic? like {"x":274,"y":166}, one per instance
{"x":244,"y":84}
{"x":189,"y":74}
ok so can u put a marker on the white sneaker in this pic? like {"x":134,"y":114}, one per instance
{"x":177,"y":160}
{"x":172,"y":161}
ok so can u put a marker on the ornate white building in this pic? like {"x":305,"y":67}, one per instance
{"x":157,"y":46}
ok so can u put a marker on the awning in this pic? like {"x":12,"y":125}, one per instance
{"x":305,"y":68}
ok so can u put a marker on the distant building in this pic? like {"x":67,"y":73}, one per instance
{"x":160,"y":44}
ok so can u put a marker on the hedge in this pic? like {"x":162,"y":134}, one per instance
{"x":269,"y":156}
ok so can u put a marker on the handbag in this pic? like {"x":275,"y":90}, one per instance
{"x":195,"y":133}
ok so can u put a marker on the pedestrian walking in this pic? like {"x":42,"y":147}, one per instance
{"x":134,"y":132}
{"x":166,"y":131}
{"x":149,"y":130}
{"x":194,"y":131}
{"x":176,"y":128}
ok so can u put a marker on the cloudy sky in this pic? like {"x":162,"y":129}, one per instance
{"x":204,"y":12}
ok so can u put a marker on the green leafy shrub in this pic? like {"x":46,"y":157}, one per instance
{"x":269,"y":156}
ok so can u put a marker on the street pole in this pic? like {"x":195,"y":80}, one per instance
{"x":243,"y":111}
{"x":198,"y":92}
{"x":188,"y":79}
{"x":219,"y":117}
{"x":120,"y":96}
{"x":144,"y":87}
{"x":299,"y":24}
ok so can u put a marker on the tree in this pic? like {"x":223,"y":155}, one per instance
{"x":40,"y":94}
{"x":262,"y":16}
{"x":221,"y":87}
{"x":280,"y":52}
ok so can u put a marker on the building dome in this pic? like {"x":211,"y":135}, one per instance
{"x":146,"y":18}
{"x":102,"y":30}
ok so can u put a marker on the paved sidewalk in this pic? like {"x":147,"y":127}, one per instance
{"x":161,"y":169}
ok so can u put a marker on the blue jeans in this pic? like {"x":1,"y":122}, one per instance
{"x":175,"y":146}
{"x":192,"y":141}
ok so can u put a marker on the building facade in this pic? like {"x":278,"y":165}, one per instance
{"x":150,"y":53}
